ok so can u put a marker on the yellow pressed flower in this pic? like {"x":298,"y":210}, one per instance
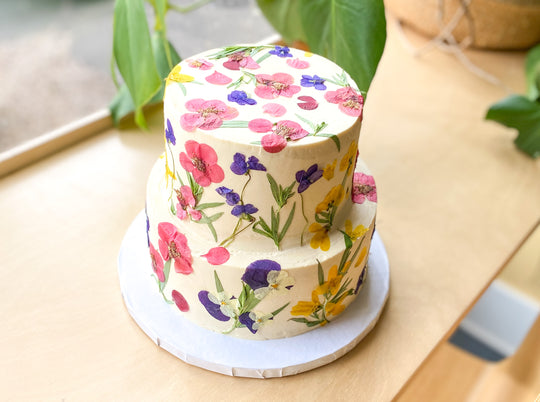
{"x":334,"y":280}
{"x":328,"y":171}
{"x":320,"y":238}
{"x":306,"y":308}
{"x":334,"y":197}
{"x":334,"y":308}
{"x":361,"y":257}
{"x":308,"y":54}
{"x":175,"y":76}
{"x":349,"y":157}
{"x":358,"y":231}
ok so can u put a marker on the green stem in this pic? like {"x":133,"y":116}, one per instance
{"x":186,"y":9}
{"x":306,"y":219}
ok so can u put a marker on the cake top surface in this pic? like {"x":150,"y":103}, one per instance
{"x":266,"y":95}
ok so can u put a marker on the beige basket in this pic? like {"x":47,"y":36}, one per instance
{"x":493,"y":24}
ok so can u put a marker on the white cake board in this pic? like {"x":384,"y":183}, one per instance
{"x":240,"y":357}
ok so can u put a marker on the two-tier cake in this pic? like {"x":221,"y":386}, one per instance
{"x":259,"y":212}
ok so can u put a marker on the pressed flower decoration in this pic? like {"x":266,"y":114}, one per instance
{"x":278,"y":84}
{"x":206,"y":114}
{"x":348,"y":100}
{"x":327,"y":298}
{"x":281,"y":51}
{"x":201,"y":161}
{"x":363,"y":188}
{"x":261,"y":279}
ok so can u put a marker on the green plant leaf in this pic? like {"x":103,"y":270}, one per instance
{"x":352,"y":33}
{"x":285,"y":17}
{"x":166,"y":272}
{"x":520,"y":113}
{"x":532,"y":73}
{"x":132,"y":51}
{"x":121,"y":105}
{"x":333,"y":137}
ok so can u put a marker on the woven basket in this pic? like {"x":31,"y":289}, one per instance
{"x":488,"y":24}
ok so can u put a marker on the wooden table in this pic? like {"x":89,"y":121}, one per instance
{"x":456,"y":201}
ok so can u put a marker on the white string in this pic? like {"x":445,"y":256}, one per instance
{"x":446,"y":42}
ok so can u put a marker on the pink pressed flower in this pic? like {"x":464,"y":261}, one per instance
{"x":297,"y":63}
{"x":201,"y":64}
{"x":217,"y":78}
{"x":173,"y":245}
{"x":208,"y":115}
{"x":274,"y":109}
{"x":307,"y":103}
{"x":201,"y":161}
{"x":260,"y":125}
{"x":157,"y":263}
{"x":272,"y":86}
{"x":281,"y":132}
{"x":186,"y":203}
{"x":217,"y":255}
{"x":273,"y":143}
{"x":240,"y":59}
{"x":350,"y":102}
{"x":180,"y":301}
{"x":363,"y":187}
{"x":290,"y":130}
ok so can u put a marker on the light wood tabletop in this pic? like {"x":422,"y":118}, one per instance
{"x":456,"y":200}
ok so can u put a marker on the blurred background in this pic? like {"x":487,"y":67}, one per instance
{"x":55,"y":56}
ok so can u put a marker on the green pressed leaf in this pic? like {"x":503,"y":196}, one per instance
{"x":273,"y":187}
{"x":333,"y":137}
{"x":261,"y":232}
{"x":243,"y":295}
{"x":299,"y":319}
{"x":532,"y":73}
{"x":287,"y":224}
{"x":320,"y":272}
{"x":285,"y":17}
{"x":279,"y":310}
{"x":132,"y":51}
{"x":348,"y":240}
{"x":219,"y":286}
{"x":264,"y":225}
{"x":520,"y":113}
{"x":200,"y":207}
{"x":166,"y":271}
{"x":209,"y":219}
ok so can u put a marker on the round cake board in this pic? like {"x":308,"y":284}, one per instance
{"x":240,"y":357}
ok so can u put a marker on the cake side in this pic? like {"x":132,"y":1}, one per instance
{"x":260,"y":145}
{"x":257,"y":294}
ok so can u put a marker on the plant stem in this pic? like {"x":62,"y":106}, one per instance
{"x":186,"y":9}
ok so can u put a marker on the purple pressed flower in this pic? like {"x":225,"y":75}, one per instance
{"x":257,"y":273}
{"x":360,"y":280}
{"x":315,"y":81}
{"x":306,"y":179}
{"x":240,"y":166}
{"x":241,"y":98}
{"x":281,"y":51}
{"x":169,"y":133}
{"x":245,"y":319}
{"x":211,"y":307}
{"x":253,"y":164}
{"x":247,"y":209}
{"x":231,"y":197}
{"x":147,"y":227}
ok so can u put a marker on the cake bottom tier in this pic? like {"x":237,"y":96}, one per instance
{"x":253,"y":294}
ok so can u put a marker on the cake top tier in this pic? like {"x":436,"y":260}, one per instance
{"x":266,"y":95}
